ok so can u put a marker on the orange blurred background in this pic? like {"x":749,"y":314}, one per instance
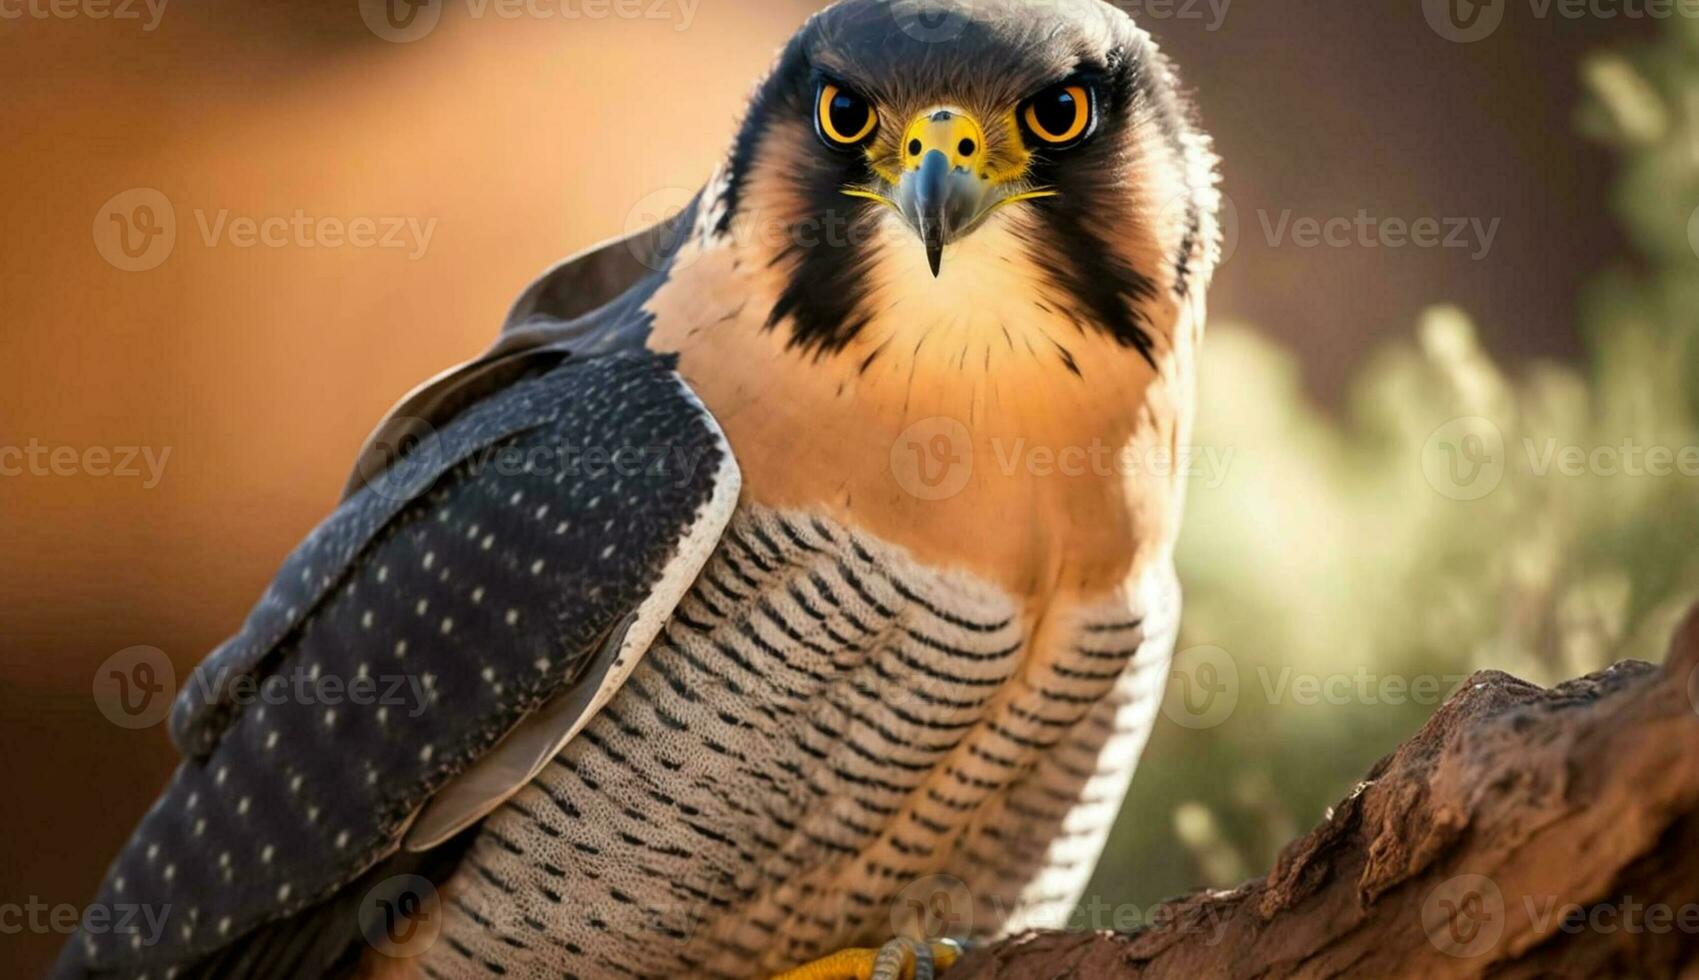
{"x":516,"y":141}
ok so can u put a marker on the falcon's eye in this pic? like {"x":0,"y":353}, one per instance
{"x":844,"y":118}
{"x":1060,"y":115}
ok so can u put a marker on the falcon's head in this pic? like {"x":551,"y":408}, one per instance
{"x":915,"y":160}
{"x":946,"y":231}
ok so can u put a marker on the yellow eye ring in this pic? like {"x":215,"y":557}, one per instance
{"x":1056,"y":102}
{"x":839,"y":110}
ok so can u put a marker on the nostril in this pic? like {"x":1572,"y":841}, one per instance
{"x":967,"y":147}
{"x":914,"y":148}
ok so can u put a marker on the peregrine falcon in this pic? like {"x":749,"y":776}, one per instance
{"x":807,"y":549}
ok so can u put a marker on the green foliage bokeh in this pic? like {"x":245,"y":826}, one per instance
{"x":1452,"y":517}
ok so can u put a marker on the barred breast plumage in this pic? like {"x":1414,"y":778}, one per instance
{"x":822,"y":725}
{"x":863,"y":648}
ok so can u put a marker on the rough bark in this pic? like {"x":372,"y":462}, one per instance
{"x":1522,"y":832}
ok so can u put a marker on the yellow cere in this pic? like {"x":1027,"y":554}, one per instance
{"x":945,"y":129}
{"x":951,"y":132}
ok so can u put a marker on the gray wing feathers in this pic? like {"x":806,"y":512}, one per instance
{"x":600,"y":274}
{"x":514,"y":763}
{"x":517,"y":758}
{"x":551,"y":522}
{"x":586,"y":305}
{"x":318,"y":565}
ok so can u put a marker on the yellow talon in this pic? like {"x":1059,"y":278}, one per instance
{"x":876,"y":964}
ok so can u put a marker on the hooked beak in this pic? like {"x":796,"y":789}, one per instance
{"x":941,"y":193}
{"x":940,"y":202}
{"x":945,"y":190}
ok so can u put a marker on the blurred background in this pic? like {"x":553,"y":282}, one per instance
{"x":1398,"y":418}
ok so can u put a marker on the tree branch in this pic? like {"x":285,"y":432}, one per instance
{"x":1522,"y":832}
